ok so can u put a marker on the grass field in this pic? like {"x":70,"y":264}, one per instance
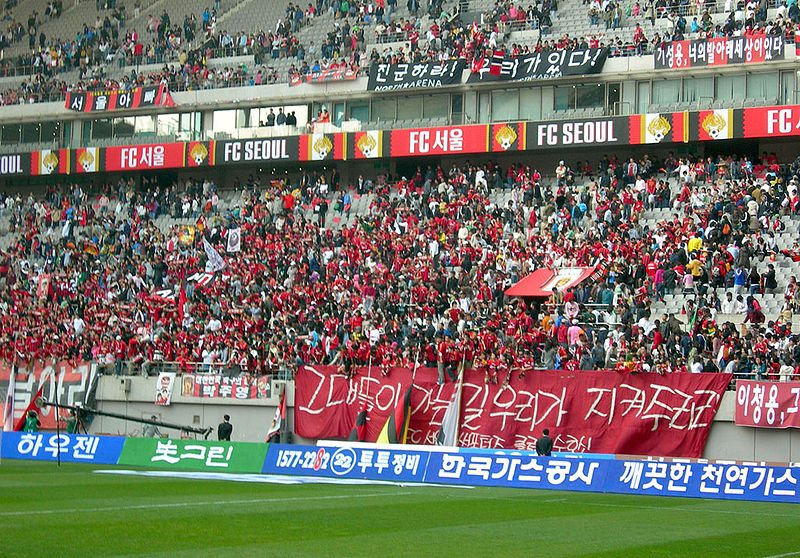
{"x":75,"y":512}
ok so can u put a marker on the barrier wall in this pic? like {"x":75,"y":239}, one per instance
{"x":423,"y":464}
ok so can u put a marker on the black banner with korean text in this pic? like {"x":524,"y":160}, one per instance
{"x":138,"y":97}
{"x":386,"y":77}
{"x":541,"y":65}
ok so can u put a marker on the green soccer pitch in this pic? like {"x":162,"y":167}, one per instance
{"x":45,"y":511}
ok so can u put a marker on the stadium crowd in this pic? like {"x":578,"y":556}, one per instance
{"x":186,"y":47}
{"x":418,"y":278}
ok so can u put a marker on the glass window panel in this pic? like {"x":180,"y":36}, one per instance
{"x":409,"y":108}
{"x":530,"y":103}
{"x":10,"y":133}
{"x":242,"y":118}
{"x":358,"y":110}
{"x":483,"y":107}
{"x":383,"y":110}
{"x":51,"y":131}
{"x":642,"y":97}
{"x":666,"y":91}
{"x":505,"y":105}
{"x":164,"y":125}
{"x":563,"y":97}
{"x":457,"y":110}
{"x":762,"y":86}
{"x":787,"y":88}
{"x":590,"y":95}
{"x":224,"y":120}
{"x":730,"y":87}
{"x":470,"y":107}
{"x":30,"y":133}
{"x":436,"y":106}
{"x":101,"y":128}
{"x":124,"y":127}
{"x":614,"y":95}
{"x":696,"y":89}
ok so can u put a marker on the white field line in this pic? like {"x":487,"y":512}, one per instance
{"x":192,"y":504}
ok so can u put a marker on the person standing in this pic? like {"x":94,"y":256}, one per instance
{"x":32,"y":423}
{"x":225,"y":429}
{"x":151,"y":430}
{"x":544,"y":445}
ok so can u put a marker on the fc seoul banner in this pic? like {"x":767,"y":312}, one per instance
{"x":440,"y":141}
{"x":723,"y":51}
{"x":767,"y":404}
{"x":771,"y":122}
{"x":138,"y":97}
{"x":385,"y":77}
{"x":596,"y":412}
{"x":541,"y":65}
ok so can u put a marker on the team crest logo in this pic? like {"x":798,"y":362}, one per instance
{"x":658,"y":128}
{"x":368,"y":146}
{"x":715,"y":126}
{"x":198,"y":153}
{"x":505,"y":137}
{"x":87,"y":161}
{"x":322,"y":146}
{"x":49,"y":163}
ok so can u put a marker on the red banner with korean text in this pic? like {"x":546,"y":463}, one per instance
{"x":145,"y":157}
{"x":597,"y":412}
{"x":767,"y":404}
{"x":62,"y":382}
{"x":217,"y":386}
{"x":440,"y":141}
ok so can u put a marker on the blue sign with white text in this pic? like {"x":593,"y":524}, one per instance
{"x":517,"y":469}
{"x":75,"y":448}
{"x":704,"y":480}
{"x":353,"y":462}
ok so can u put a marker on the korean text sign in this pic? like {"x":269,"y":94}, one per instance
{"x":77,"y":448}
{"x":194,"y":455}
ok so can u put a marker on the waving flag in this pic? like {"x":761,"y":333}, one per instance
{"x":214,"y":259}
{"x":497,"y":62}
{"x":395,"y":431}
{"x":277,"y":420}
{"x":448,"y":433}
{"x":8,"y":411}
{"x":359,"y":432}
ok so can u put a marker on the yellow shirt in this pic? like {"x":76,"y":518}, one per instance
{"x":695,"y":244}
{"x":694,"y":267}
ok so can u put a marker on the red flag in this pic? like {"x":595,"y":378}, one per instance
{"x":477,"y":64}
{"x":497,"y":62}
{"x":32,"y":406}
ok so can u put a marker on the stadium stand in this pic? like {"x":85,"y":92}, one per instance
{"x":401,"y":259}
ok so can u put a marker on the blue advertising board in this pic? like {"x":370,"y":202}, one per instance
{"x":704,"y":480}
{"x":516,"y":469}
{"x":354,"y":462}
{"x":76,"y":448}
